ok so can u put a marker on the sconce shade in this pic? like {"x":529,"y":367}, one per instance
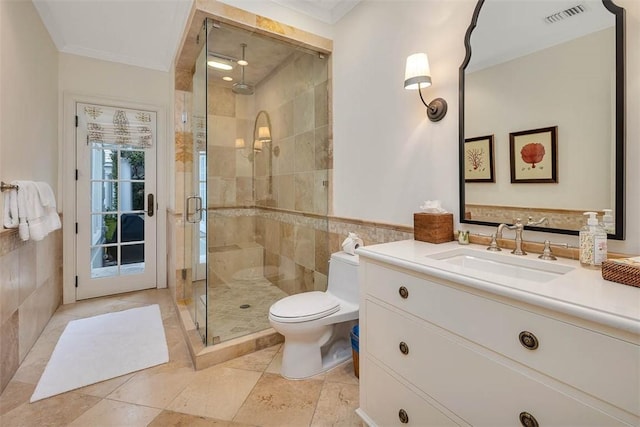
{"x":239,"y":143}
{"x":264,"y":134}
{"x":417,"y":73}
{"x":257,"y":145}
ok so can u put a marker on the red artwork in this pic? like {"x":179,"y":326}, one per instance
{"x":532,"y":153}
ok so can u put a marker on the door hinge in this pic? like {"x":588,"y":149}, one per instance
{"x":76,"y":281}
{"x":184,"y":274}
{"x":76,"y":228}
{"x":76,"y":174}
{"x":76,"y":121}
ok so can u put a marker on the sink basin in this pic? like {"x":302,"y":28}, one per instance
{"x":511,"y":266}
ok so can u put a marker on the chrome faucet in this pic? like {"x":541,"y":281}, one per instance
{"x":518,"y":227}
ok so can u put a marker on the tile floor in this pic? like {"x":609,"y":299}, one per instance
{"x":247,"y":391}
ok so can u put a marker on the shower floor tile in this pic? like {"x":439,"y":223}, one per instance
{"x":240,"y":308}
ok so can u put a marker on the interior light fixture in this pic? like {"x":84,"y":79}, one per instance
{"x":227,"y":79}
{"x":418,"y":75}
{"x":257,"y":145}
{"x":264,"y":134}
{"x":243,"y":62}
{"x":219,"y":65}
{"x":240,"y":143}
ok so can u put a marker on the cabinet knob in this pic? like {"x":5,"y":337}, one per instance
{"x":404,"y":417}
{"x":404,"y":348}
{"x":528,"y":340}
{"x":528,"y":420}
{"x":404,"y":292}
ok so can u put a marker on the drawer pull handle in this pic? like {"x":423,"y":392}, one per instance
{"x":404,"y":417}
{"x":404,"y":348}
{"x":528,"y":340}
{"x":528,"y":420}
{"x":404,"y":292}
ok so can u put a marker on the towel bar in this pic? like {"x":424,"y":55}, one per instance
{"x":4,"y":186}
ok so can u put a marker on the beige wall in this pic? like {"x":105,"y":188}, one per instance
{"x":30,"y":272}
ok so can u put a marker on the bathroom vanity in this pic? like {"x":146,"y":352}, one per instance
{"x":460,"y":336}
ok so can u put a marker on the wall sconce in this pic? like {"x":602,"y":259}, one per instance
{"x":257,"y":145}
{"x":418,"y":75}
{"x":264,"y":134}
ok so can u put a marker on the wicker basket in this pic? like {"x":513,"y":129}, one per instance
{"x":625,"y":271}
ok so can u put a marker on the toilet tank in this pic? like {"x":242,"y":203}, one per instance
{"x":343,"y":276}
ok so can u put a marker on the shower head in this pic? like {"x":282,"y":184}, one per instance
{"x":242,"y":88}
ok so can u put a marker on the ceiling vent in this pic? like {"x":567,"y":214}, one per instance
{"x":567,"y":13}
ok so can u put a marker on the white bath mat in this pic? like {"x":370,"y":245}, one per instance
{"x":102,"y":347}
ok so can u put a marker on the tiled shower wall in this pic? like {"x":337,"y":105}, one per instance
{"x":30,"y":292}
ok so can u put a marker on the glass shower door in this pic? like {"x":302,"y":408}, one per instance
{"x":195,"y":183}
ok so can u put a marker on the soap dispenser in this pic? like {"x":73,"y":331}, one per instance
{"x":607,"y":221}
{"x":593,"y":243}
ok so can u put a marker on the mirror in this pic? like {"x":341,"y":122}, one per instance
{"x":542,"y":114}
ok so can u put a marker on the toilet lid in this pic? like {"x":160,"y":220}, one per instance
{"x":305,"y":306}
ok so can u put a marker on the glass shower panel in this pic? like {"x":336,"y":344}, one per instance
{"x":195,"y":192}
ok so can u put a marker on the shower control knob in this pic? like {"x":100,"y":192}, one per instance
{"x":404,"y":417}
{"x":404,"y":292}
{"x":404,"y":348}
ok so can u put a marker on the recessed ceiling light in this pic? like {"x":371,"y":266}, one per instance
{"x":227,"y":79}
{"x":243,"y":62}
{"x":219,"y":65}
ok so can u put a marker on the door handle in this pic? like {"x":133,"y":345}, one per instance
{"x":194,"y":216}
{"x":150,"y":205}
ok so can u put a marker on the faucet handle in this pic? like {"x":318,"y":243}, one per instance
{"x":493,"y":246}
{"x":546,"y":252}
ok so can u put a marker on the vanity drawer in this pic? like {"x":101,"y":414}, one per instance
{"x":387,"y":397}
{"x":471,"y":383}
{"x":603,"y":366}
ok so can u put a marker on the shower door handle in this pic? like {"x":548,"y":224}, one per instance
{"x":194,"y":216}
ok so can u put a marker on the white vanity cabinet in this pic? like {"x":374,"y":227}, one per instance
{"x":436,"y":352}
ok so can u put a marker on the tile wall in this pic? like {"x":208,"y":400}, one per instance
{"x":30,"y":292}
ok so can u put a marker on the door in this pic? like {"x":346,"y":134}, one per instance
{"x":116,"y":206}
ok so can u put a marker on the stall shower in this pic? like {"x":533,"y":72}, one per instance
{"x":256,"y":173}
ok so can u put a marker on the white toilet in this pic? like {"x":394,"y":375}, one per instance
{"x":316,"y":325}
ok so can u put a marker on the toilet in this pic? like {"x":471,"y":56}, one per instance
{"x":316,"y":325}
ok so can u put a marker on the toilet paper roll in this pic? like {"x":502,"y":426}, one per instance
{"x":351,"y":243}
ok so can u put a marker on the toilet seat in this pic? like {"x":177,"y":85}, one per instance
{"x":304,"y":307}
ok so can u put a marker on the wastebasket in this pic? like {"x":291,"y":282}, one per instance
{"x":355,"y":341}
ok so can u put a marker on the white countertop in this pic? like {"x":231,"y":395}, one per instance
{"x":581,"y":292}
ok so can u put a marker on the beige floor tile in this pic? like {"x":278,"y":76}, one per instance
{"x":276,"y":364}
{"x":276,"y":401}
{"x":55,"y":411}
{"x":257,"y":361}
{"x":337,"y":405}
{"x":104,"y":388}
{"x":217,"y":392}
{"x":343,"y":373}
{"x":14,"y":395}
{"x":155,"y":387}
{"x":117,"y":414}
{"x":170,"y":418}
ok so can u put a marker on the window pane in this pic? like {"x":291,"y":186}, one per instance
{"x":132,"y":254}
{"x":131,"y":164}
{"x":131,"y":196}
{"x":132,"y":228}
{"x":103,"y":229}
{"x":103,"y":196}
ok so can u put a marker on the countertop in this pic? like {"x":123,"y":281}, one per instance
{"x":581,"y":292}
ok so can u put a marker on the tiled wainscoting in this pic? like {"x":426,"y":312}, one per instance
{"x":30,"y":292}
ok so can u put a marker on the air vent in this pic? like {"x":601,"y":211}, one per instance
{"x":567,"y":13}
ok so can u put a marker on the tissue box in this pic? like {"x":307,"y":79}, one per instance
{"x":433,"y":227}
{"x":625,"y":271}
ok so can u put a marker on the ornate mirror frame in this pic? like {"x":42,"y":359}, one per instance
{"x":619,"y":206}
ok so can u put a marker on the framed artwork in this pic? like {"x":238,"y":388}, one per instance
{"x":534,"y":155}
{"x":478,"y":159}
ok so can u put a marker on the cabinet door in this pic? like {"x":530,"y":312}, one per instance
{"x":477,"y":385}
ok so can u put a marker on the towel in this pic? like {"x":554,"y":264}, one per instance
{"x":35,"y":220}
{"x":11,"y":219}
{"x":48,"y":201}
